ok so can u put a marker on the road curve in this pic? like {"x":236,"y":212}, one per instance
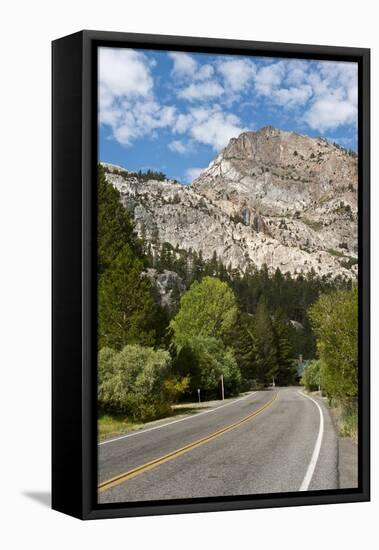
{"x":272,"y":441}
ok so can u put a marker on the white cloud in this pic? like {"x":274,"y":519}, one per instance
{"x":192,"y":173}
{"x":296,"y":72}
{"x":292,"y":97}
{"x":195,"y":115}
{"x":140,"y":119}
{"x":204,"y":72}
{"x":326,"y":91}
{"x":200,"y":114}
{"x":180,"y":147}
{"x":126,"y":98}
{"x":269,"y":77}
{"x":124,"y":72}
{"x":182,"y":123}
{"x":237,"y":73}
{"x":338,"y":73}
{"x":330,"y":112}
{"x":335,"y":87}
{"x":217,"y":130}
{"x":186,"y":67}
{"x":108,"y":110}
{"x":210,"y":126}
{"x":322,"y":95}
{"x":184,"y":64}
{"x":201,"y":91}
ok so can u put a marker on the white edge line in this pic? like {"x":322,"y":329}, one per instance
{"x":316,"y":451}
{"x":140,"y":432}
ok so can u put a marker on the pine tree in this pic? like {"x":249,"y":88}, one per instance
{"x":114,"y":226}
{"x":286,"y":371}
{"x":266,"y":365}
{"x":126,"y":311}
{"x":211,"y":268}
{"x":241,"y":339}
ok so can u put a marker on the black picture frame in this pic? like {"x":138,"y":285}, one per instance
{"x":74,"y":153}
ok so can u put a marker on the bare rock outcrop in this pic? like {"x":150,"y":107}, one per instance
{"x":168,"y":285}
{"x":270,"y":197}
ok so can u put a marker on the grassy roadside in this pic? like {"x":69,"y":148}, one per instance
{"x":345,"y":416}
{"x":346,"y":419}
{"x":110,"y":425}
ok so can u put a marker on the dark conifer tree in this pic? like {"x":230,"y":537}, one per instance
{"x":286,"y":372}
{"x":114,"y":226}
{"x":266,"y":365}
{"x":126,"y":308}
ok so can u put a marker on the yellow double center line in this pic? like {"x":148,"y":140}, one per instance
{"x":121,"y":478}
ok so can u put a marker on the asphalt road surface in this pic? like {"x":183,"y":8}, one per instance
{"x":267,"y":442}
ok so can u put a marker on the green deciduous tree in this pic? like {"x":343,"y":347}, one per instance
{"x":207,"y":312}
{"x":335,"y":321}
{"x":203,"y":360}
{"x":208,"y":308}
{"x":311,"y":375}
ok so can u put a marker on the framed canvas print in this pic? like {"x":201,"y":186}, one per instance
{"x":210,"y":274}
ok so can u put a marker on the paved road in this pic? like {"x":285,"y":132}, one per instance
{"x":267,"y":442}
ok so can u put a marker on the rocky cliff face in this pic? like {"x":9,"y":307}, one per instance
{"x":169,"y":287}
{"x":270,"y":197}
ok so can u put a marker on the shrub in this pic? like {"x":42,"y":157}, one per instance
{"x":105,"y":365}
{"x":133,"y":382}
{"x":237,"y":218}
{"x":176,"y":386}
{"x":313,"y":224}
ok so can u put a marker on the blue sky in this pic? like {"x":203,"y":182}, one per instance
{"x":175,"y":111}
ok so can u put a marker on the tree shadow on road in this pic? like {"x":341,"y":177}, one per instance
{"x":189,"y":410}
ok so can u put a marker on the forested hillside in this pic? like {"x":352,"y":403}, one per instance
{"x":250,"y":327}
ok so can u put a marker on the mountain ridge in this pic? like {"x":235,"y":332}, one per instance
{"x":269,"y":197}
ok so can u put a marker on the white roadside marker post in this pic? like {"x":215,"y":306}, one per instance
{"x":198,"y":393}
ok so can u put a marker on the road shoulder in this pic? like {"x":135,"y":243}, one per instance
{"x":182,"y":412}
{"x":347,"y":463}
{"x":326,"y":472}
{"x":347,"y":450}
